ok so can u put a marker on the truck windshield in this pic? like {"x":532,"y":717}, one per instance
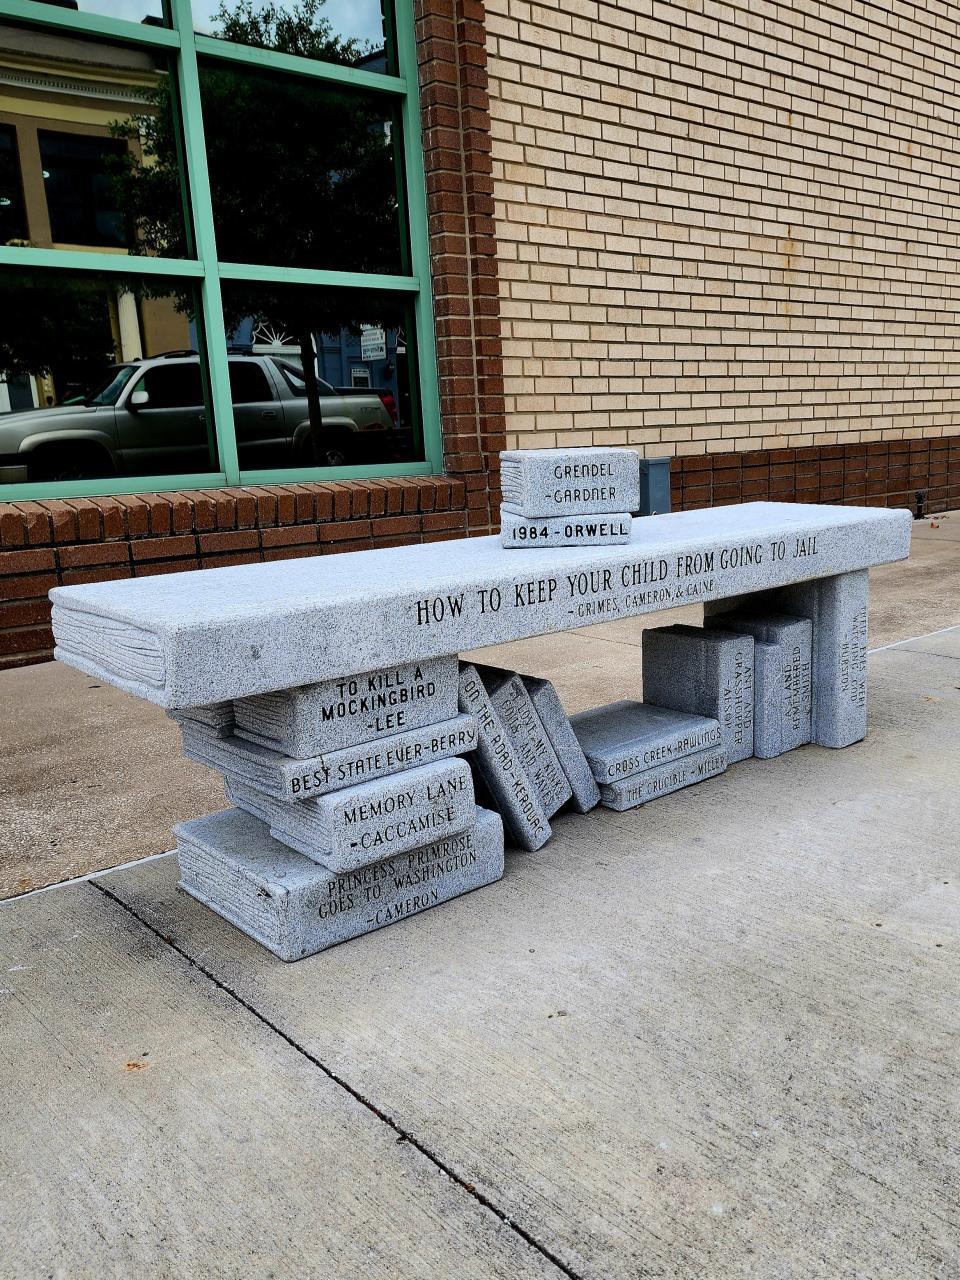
{"x":107,"y":390}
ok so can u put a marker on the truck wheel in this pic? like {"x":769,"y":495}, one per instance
{"x":333,"y":452}
{"x":331,"y":456}
{"x":69,"y":462}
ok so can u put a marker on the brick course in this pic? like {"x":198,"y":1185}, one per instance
{"x":451,"y":39}
{"x":878,"y":473}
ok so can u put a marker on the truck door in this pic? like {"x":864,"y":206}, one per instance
{"x":262,"y":438}
{"x":168,"y":433}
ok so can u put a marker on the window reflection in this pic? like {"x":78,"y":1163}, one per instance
{"x":78,"y":181}
{"x":355,"y":33}
{"x":13,"y":221}
{"x":100,"y":377}
{"x":150,"y":11}
{"x":323,"y":189}
{"x":89,"y":149}
{"x":321,"y":377}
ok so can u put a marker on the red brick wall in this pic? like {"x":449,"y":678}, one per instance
{"x":43,"y":544}
{"x":456,"y":137}
{"x":882,"y":473}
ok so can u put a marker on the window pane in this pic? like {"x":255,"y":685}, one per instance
{"x":173,"y":385}
{"x":100,"y":377}
{"x":93,"y":144}
{"x":248,"y":383}
{"x":13,"y":223}
{"x":322,"y":190}
{"x":342,"y":371}
{"x":78,"y":180}
{"x":355,"y":33}
{"x":147,"y":11}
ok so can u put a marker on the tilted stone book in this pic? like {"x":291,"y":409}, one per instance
{"x":512,"y":702}
{"x":553,"y":717}
{"x":498,"y":767}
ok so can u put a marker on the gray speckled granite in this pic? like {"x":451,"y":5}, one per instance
{"x":837,"y":607}
{"x":373,"y":820}
{"x":559,"y":482}
{"x":641,"y":788}
{"x":553,"y":717}
{"x":310,"y":720}
{"x":295,"y":908}
{"x":628,"y":737}
{"x":290,"y":780}
{"x":214,"y":634}
{"x":564,"y":531}
{"x":497,"y":769}
{"x":767,"y":701}
{"x":218,"y":717}
{"x":704,"y":672}
{"x":782,"y":695}
{"x":510,"y":700}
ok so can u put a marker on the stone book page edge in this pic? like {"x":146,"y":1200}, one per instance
{"x":129,"y":657}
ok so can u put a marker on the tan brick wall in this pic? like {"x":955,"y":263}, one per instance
{"x":727,"y":227}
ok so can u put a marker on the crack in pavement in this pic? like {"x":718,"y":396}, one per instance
{"x":365,"y":1102}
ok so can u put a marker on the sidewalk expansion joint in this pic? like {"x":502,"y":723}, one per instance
{"x":402,"y":1134}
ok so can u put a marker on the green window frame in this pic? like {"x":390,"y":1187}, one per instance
{"x":184,"y":45}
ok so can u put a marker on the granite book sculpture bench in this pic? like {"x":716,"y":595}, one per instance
{"x":328,"y":692}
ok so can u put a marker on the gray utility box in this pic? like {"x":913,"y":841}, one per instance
{"x":654,"y":486}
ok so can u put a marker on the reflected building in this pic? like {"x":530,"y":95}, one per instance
{"x":61,"y":98}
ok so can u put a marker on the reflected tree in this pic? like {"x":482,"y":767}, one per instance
{"x":59,"y":328}
{"x":299,"y":28}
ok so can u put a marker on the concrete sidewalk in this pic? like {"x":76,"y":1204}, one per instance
{"x":713,"y":1038}
{"x":94,"y":777}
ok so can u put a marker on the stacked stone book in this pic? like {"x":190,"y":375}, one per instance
{"x":782,"y":684}
{"x":752,"y":671}
{"x":568,"y":497}
{"x":354,"y":807}
{"x":528,"y":763}
{"x":638,"y":751}
{"x":703,"y":672}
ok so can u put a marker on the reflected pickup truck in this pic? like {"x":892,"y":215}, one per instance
{"x":148,"y":417}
